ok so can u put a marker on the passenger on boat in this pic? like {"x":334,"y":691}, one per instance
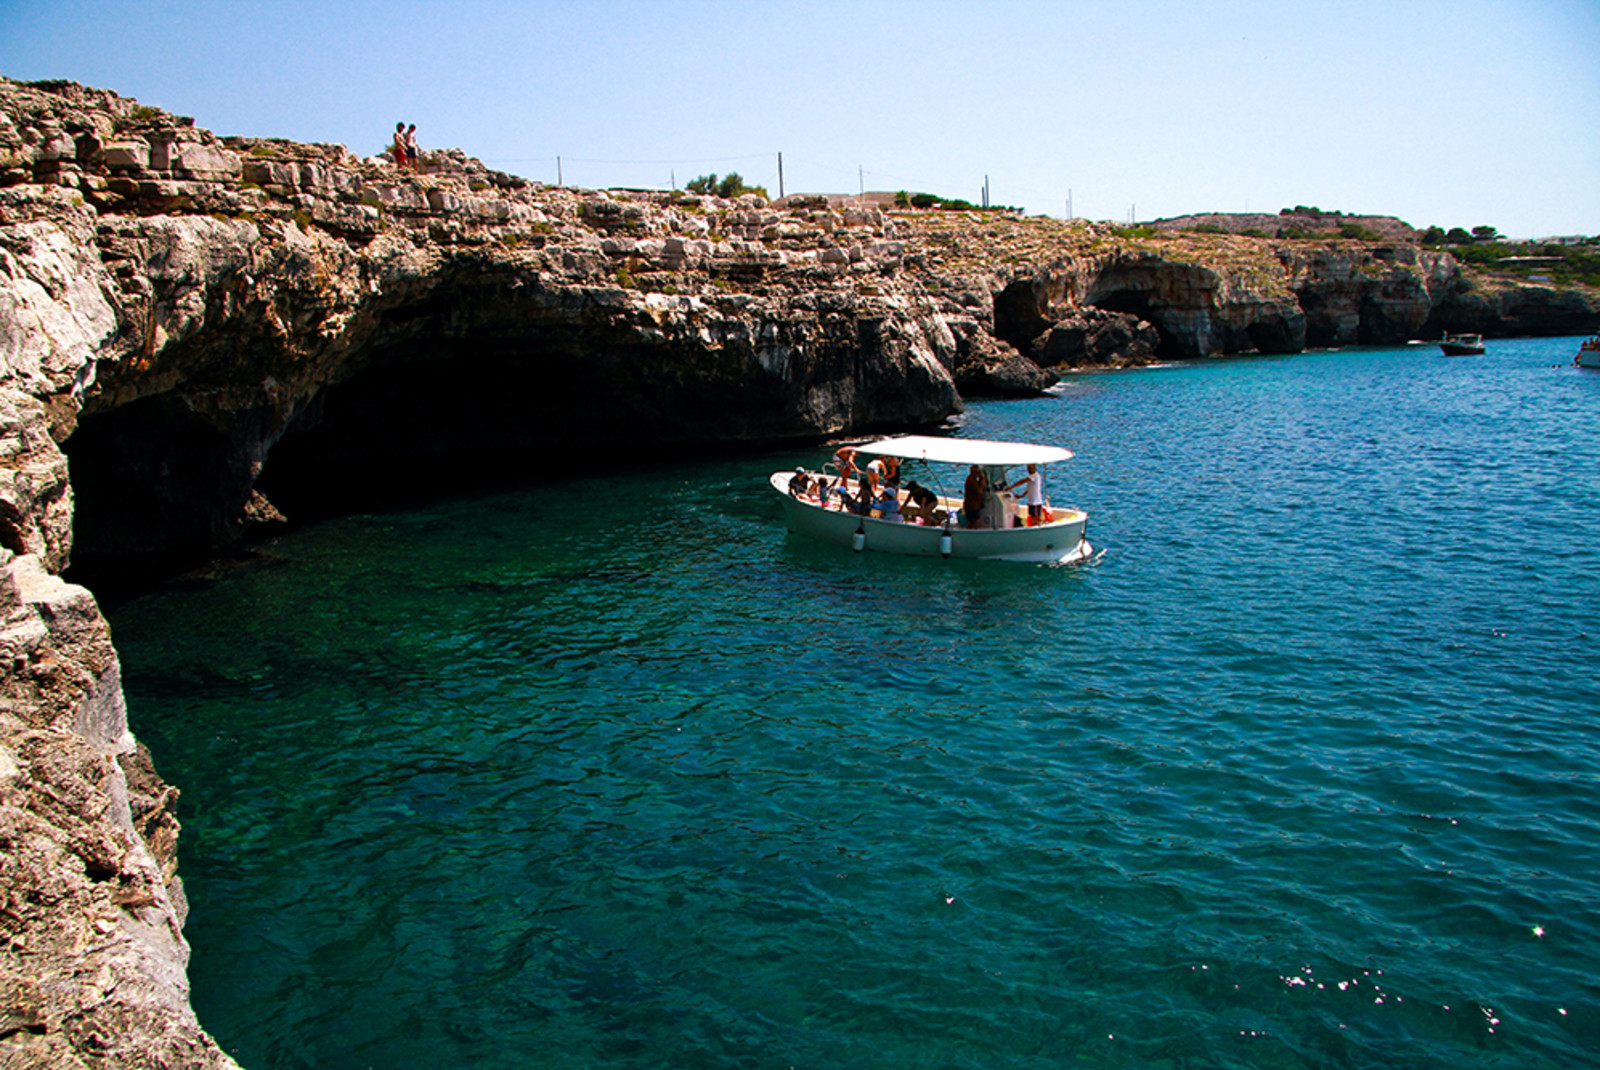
{"x":844,"y":459}
{"x":922,"y":505}
{"x":888,"y":505}
{"x":972,"y":497}
{"x":1034,"y":481}
{"x":848,"y":502}
{"x":871,"y":478}
{"x":800,"y":485}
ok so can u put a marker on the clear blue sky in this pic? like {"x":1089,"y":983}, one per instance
{"x":1460,"y":113}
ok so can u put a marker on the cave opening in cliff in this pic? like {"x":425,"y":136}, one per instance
{"x":464,"y":420}
{"x":154,"y":485}
{"x":1136,"y":302}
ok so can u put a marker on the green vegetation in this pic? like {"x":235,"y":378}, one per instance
{"x":1141,"y":231}
{"x":1459,"y":235}
{"x":728,"y":188}
{"x":905,"y":199}
{"x":1359,"y":232}
{"x":1207,"y":228}
{"x":144,"y":113}
{"x":1563,"y":265}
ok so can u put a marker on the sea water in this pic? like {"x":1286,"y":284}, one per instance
{"x":615,"y":772}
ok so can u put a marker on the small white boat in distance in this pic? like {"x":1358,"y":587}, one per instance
{"x":1461,"y":345}
{"x":922,"y":520}
{"x":1588,"y":353}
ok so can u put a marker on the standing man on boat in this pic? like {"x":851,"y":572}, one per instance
{"x":1034,"y":481}
{"x":972,"y":496}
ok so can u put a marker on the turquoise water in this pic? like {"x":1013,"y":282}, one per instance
{"x":617,"y":773}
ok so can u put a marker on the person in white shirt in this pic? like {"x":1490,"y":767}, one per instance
{"x":1034,"y":481}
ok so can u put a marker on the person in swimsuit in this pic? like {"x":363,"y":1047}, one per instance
{"x":922,"y":505}
{"x":844,"y":459}
{"x":411,"y":147}
{"x":399,"y":147}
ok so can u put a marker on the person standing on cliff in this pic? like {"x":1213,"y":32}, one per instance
{"x":411,"y":148}
{"x":399,"y":146}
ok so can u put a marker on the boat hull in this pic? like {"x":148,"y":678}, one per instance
{"x":1462,"y":345}
{"x":1059,"y":542}
{"x":1588,"y":355}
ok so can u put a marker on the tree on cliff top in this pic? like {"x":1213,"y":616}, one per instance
{"x":729,"y":188}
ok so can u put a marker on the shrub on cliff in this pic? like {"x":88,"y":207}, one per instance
{"x":1359,"y":232}
{"x":728,"y":188}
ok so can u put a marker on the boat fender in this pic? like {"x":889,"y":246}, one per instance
{"x":859,"y":539}
{"x":945,"y":543}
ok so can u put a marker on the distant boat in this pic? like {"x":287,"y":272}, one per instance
{"x":1588,"y":353}
{"x":1461,"y":345}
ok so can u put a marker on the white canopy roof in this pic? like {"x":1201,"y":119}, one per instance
{"x":964,"y":451}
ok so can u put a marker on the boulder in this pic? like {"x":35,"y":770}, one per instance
{"x":126,"y":154}
{"x":1096,"y":338}
{"x":206,"y":161}
{"x":988,"y":367}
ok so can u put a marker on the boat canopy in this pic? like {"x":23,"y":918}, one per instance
{"x":964,"y":451}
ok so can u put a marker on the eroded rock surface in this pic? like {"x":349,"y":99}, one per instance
{"x":92,"y":955}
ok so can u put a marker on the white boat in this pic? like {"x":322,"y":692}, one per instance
{"x":1001,"y":530}
{"x":1588,"y":353}
{"x":1461,"y":345}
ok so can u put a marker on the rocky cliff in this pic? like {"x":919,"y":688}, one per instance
{"x":198,"y":334}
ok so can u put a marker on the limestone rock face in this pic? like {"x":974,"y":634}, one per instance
{"x":1196,"y":309}
{"x":1095,"y":338}
{"x":1360,"y":294}
{"x":92,"y":958}
{"x":1462,"y":303}
{"x":1288,"y":224}
{"x":991,"y":368}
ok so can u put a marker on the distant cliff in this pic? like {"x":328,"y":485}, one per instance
{"x":198,"y":334}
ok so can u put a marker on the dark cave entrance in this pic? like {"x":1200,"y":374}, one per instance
{"x":154,"y":485}
{"x":1134,"y":301}
{"x":160,"y":488}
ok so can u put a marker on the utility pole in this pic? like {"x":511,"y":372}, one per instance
{"x":558,"y":170}
{"x":986,"y":191}
{"x":780,"y":176}
{"x":1069,"y":202}
{"x":861,"y":176}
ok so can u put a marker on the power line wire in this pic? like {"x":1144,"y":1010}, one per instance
{"x":640,"y":163}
